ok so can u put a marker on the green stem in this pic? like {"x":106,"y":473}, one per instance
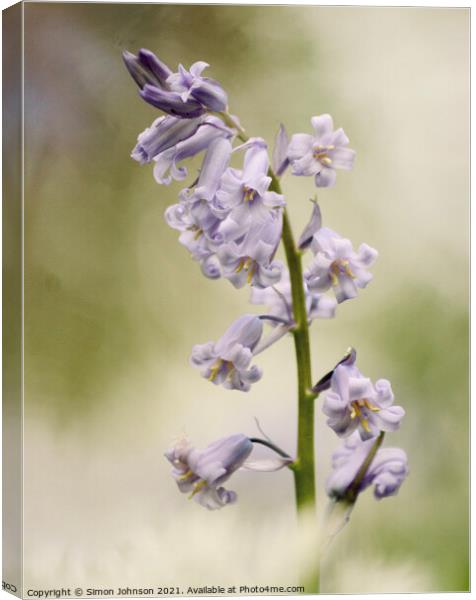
{"x":304,"y":471}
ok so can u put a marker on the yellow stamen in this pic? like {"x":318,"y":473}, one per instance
{"x":250,"y":274}
{"x":371,"y":406}
{"x":337,"y":266}
{"x":197,"y":487}
{"x":326,"y":160}
{"x":319,"y":154}
{"x":249,"y":194}
{"x":346,"y":266}
{"x":365,"y":425}
{"x":197,"y":234}
{"x":334,"y":272}
{"x":240,"y":266}
{"x":185,"y":476}
{"x":214,"y":370}
{"x":356,"y":411}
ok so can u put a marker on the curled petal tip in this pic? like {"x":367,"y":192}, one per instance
{"x":311,"y":228}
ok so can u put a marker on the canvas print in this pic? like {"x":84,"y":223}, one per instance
{"x":244,"y":335}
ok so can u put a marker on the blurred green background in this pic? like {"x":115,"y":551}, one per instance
{"x":114,"y":303}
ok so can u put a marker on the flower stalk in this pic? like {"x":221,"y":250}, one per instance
{"x":232,"y":221}
{"x":304,"y":472}
{"x":304,"y":466}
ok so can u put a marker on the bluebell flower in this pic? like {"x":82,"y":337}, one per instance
{"x":193,"y":217}
{"x":179,"y":216}
{"x":163,"y":134}
{"x":146,"y":68}
{"x":191,"y":84}
{"x":243,"y":199}
{"x":355,"y":403}
{"x":278,"y":300}
{"x":250,"y":260}
{"x":320,"y":154}
{"x":185,"y":94}
{"x":227,"y":362}
{"x":336,"y":265}
{"x":386,"y":472}
{"x":201,"y":473}
{"x":169,"y":140}
{"x":166,"y":163}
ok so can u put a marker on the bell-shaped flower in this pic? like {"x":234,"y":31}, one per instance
{"x":336,"y":265}
{"x":250,"y":260}
{"x":185,"y":94}
{"x":201,"y":473}
{"x":319,"y":155}
{"x":146,"y":68}
{"x":228,"y":361}
{"x":243,"y":197}
{"x":386,"y":472}
{"x":179,"y":216}
{"x":191,"y":84}
{"x":171,"y":102}
{"x":278,"y":300}
{"x":166,"y":163}
{"x":192,"y":215}
{"x":355,"y":403}
{"x":163,"y":134}
{"x":214,"y":165}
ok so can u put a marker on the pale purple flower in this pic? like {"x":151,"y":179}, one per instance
{"x":214,"y":165}
{"x":336,"y":265}
{"x":192,"y":215}
{"x":228,"y":361}
{"x":185,"y":94}
{"x":386,"y":472}
{"x":355,"y":403}
{"x":163,"y":134}
{"x":250,"y":260}
{"x":171,"y":102}
{"x":201,"y":473}
{"x":243,"y":197}
{"x":166,"y":163}
{"x":320,"y":154}
{"x":278,"y":301}
{"x":191,"y":84}
{"x":179,"y":216}
{"x":146,"y":68}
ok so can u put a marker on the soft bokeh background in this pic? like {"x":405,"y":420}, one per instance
{"x":114,"y":303}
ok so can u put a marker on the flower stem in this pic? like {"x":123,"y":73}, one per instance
{"x":271,"y":446}
{"x":304,"y":473}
